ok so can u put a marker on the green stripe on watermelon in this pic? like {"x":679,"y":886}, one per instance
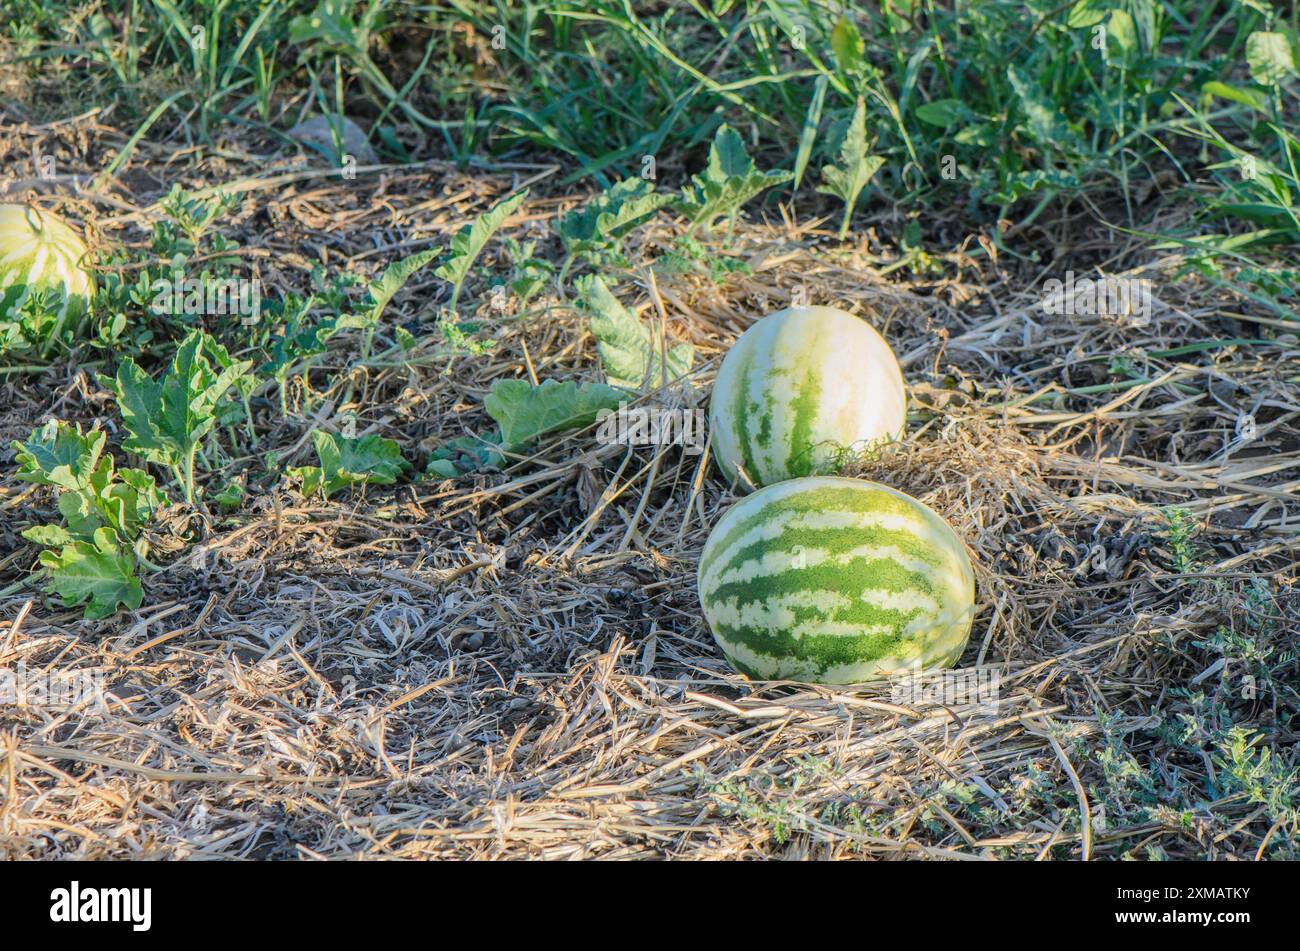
{"x":759,"y":416}
{"x":835,"y":581}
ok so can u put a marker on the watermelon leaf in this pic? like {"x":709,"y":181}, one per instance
{"x":394,"y":278}
{"x":464,"y":454}
{"x":59,"y":454}
{"x":470,"y":241}
{"x":856,"y":167}
{"x":94,"y":554}
{"x":300,"y":341}
{"x":629,"y":353}
{"x":1044,"y":120}
{"x":600,"y":226}
{"x":727,"y":183}
{"x":524,"y":412}
{"x":169,"y":418}
{"x":91,"y":494}
{"x":346,"y":461}
{"x":100,"y":571}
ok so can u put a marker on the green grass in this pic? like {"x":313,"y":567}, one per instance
{"x":987,"y":107}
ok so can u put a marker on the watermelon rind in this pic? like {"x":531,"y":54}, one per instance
{"x":40,"y":253}
{"x":798,"y":391}
{"x":833,"y":580}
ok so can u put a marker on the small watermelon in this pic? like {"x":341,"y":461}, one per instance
{"x":38,"y":252}
{"x":831,"y":580}
{"x":797,"y":389}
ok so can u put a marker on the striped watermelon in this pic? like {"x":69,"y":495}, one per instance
{"x":836,"y":581}
{"x":39,"y":252}
{"x":798,"y":388}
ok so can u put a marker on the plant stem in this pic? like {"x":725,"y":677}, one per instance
{"x":189,"y":475}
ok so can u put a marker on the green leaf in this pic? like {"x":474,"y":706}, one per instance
{"x":332,"y":27}
{"x":442,"y":469}
{"x":847,"y":45}
{"x":1045,"y":122}
{"x":168,"y":419}
{"x":856,"y":167}
{"x":300,"y":341}
{"x":1122,"y":32}
{"x":365,"y":459}
{"x":133,"y":501}
{"x":59,"y":454}
{"x":629,"y":352}
{"x":470,"y":241}
{"x":1087,"y":13}
{"x":601,"y":224}
{"x":728,"y":182}
{"x":346,"y":461}
{"x":231,"y":496}
{"x":102,"y":572}
{"x":48,"y":536}
{"x":524,"y":412}
{"x":394,"y":277}
{"x":1269,"y":56}
{"x":124,"y":501}
{"x":139,"y":400}
{"x":811,"y":121}
{"x":244,"y":381}
{"x":1247,"y":97}
{"x":1023,"y":183}
{"x":465,"y":454}
{"x":83,"y":515}
{"x":944,"y":112}
{"x":91,"y":495}
{"x":309,"y":479}
{"x":530,"y":271}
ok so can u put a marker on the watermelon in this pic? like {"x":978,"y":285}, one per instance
{"x":38,"y":252}
{"x":832,"y":580}
{"x":799,"y":388}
